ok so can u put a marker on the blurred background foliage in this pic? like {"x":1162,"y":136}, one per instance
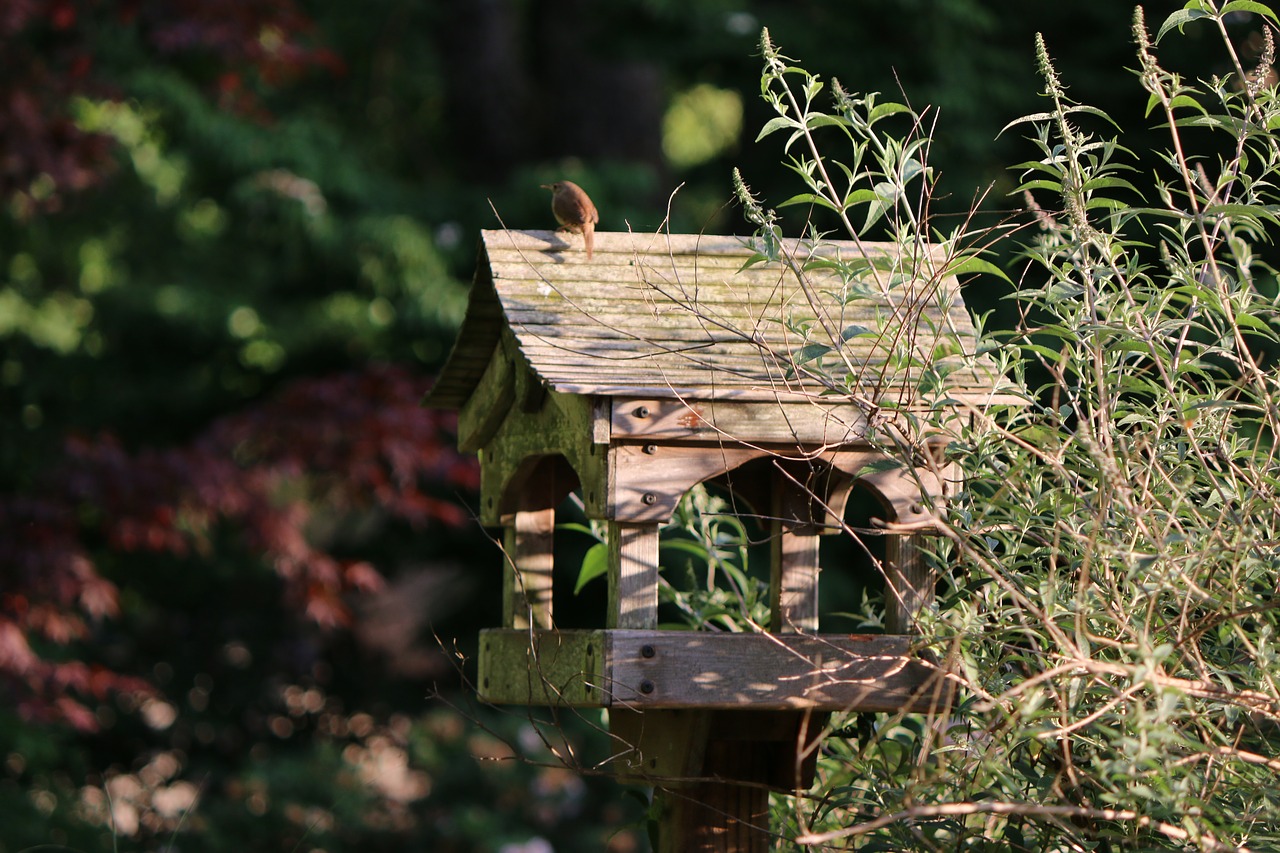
{"x":235,"y":240}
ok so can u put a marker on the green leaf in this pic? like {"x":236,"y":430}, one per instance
{"x":824,"y":120}
{"x":970,"y":265}
{"x":1033,"y":117}
{"x":695,"y":549}
{"x":1052,"y":186}
{"x":1248,"y":6}
{"x":577,"y":528}
{"x":1248,"y":211}
{"x":594,"y":564}
{"x":809,"y":352}
{"x":854,"y":331}
{"x":776,"y":124}
{"x":1109,"y":183}
{"x":809,"y":198}
{"x":1261,"y":326}
{"x":879,"y":111}
{"x":1180,"y":19}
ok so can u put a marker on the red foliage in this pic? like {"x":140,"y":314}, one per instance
{"x":323,"y":447}
{"x":48,"y":56}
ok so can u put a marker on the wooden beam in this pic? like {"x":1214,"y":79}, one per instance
{"x":527,"y":569}
{"x":633,"y":575}
{"x":648,"y":669}
{"x":785,"y":422}
{"x":555,"y":668}
{"x":909,"y":582}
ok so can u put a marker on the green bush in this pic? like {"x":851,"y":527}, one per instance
{"x":1108,"y":605}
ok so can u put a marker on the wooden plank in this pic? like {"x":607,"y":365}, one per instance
{"x":793,"y":585}
{"x":681,"y":669}
{"x":555,"y":668}
{"x":669,"y":245}
{"x":633,"y":575}
{"x":909,"y":583}
{"x":526,"y":586}
{"x":488,"y":406}
{"x":641,"y":419}
{"x":793,"y":569}
{"x":649,"y":480}
{"x":648,"y":669}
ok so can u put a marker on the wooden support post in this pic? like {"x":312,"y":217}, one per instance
{"x":526,"y":584}
{"x":793,"y":585}
{"x":908,"y":579}
{"x":793,"y":569}
{"x":909,"y":582}
{"x":720,"y":817}
{"x":633,"y":575}
{"x":528,"y":541}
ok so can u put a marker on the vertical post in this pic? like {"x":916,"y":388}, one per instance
{"x":793,"y":584}
{"x":528,"y":541}
{"x":721,"y":817}
{"x":908,"y":582}
{"x":793,"y":568}
{"x":526,"y":584}
{"x":633,"y":575}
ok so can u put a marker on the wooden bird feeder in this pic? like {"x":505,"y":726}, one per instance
{"x":666,"y":362}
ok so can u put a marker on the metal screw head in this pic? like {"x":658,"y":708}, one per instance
{"x":649,"y":498}
{"x":641,"y":412}
{"x":646,"y":651}
{"x":651,"y":449}
{"x":917,"y":508}
{"x":646,"y":686}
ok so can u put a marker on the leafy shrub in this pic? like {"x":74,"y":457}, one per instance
{"x":1108,"y":596}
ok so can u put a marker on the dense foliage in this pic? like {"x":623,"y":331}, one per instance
{"x":234,"y":240}
{"x":1109,"y":598}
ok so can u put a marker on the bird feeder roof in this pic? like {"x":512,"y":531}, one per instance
{"x":688,"y":316}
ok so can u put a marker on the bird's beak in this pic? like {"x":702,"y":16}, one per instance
{"x":546,"y":186}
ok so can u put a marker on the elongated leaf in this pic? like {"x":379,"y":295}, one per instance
{"x":594,"y":564}
{"x":1052,"y":186}
{"x":776,"y":124}
{"x":1248,"y":6}
{"x":824,"y":120}
{"x":1179,"y":20}
{"x":1110,"y":183}
{"x":1250,"y":211}
{"x":879,"y":111}
{"x":809,"y":198}
{"x":970,"y":265}
{"x":809,"y":352}
{"x":1033,"y":117}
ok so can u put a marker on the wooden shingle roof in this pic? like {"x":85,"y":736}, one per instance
{"x":685,"y":316}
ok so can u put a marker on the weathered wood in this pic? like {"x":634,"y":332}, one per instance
{"x":765,"y":671}
{"x":658,"y":745}
{"x":648,"y":480}
{"x":793,"y":587}
{"x":650,"y":669}
{"x":633,"y":575}
{"x":556,"y":668}
{"x":486,"y":409}
{"x":909,"y":582}
{"x":786,"y":423}
{"x":720,"y":817}
{"x":564,"y":426}
{"x":526,"y":585}
{"x":911,"y":499}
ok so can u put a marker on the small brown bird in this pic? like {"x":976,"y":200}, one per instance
{"x":574,"y":211}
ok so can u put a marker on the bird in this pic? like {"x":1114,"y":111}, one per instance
{"x":574,"y":211}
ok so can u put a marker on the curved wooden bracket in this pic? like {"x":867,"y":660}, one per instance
{"x":912,"y":498}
